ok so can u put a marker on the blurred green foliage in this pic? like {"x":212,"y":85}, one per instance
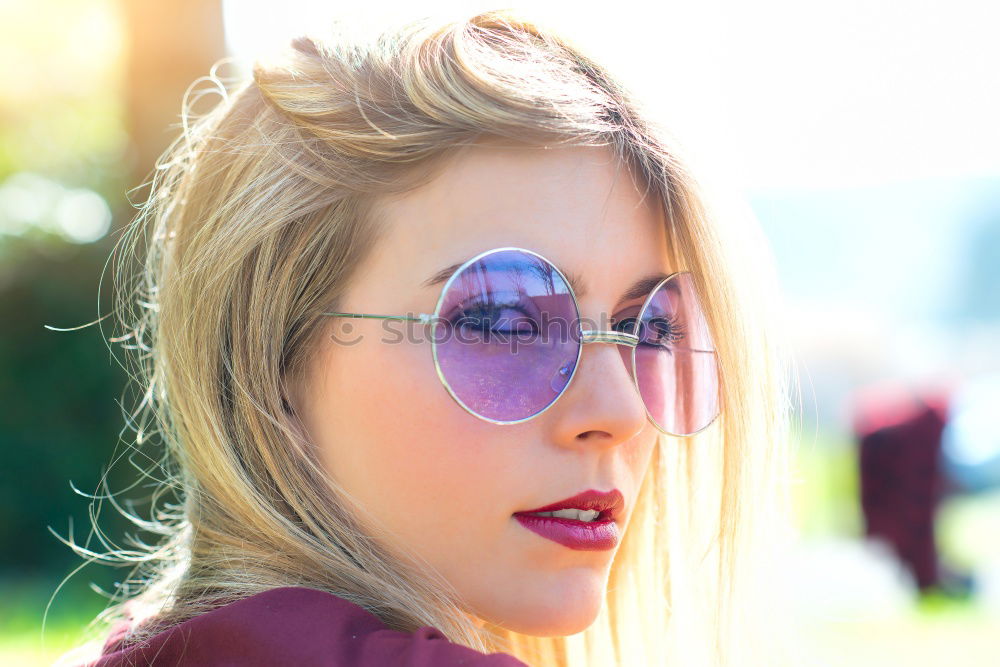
{"x":63,"y":120}
{"x":60,"y":419}
{"x":65,"y":400}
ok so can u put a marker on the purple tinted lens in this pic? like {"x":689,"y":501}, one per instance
{"x":675,"y":363}
{"x":507,"y":335}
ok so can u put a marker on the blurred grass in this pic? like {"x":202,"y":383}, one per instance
{"x":25,"y":599}
{"x":930,"y":634}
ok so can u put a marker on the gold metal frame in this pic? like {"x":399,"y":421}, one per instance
{"x":586,"y":336}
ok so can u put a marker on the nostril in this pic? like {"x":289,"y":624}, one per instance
{"x":590,"y":435}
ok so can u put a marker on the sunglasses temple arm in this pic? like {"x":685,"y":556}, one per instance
{"x":423,"y":318}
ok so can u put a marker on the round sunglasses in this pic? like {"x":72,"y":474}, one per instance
{"x":507,"y":337}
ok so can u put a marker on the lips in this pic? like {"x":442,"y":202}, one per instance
{"x":609,"y":503}
{"x":598,"y":535}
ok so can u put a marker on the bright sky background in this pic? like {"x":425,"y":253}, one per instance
{"x":778,"y":93}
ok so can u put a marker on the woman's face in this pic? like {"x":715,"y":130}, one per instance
{"x":443,"y":484}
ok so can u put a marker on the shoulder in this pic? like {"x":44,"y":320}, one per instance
{"x":295,"y":625}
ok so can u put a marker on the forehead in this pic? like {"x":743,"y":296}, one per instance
{"x":577,"y":206}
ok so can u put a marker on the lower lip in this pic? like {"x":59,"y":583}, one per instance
{"x":579,"y":535}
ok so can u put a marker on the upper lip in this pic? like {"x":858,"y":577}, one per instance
{"x":609,"y":503}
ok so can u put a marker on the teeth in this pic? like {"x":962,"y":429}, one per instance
{"x":579,"y":515}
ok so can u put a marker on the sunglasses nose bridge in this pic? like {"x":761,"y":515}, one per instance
{"x":616,"y":337}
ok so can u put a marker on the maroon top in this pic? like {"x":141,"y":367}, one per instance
{"x":293,"y":626}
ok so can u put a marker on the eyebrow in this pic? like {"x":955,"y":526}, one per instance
{"x":638,"y":290}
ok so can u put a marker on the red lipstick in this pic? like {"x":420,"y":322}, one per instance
{"x":588,"y":531}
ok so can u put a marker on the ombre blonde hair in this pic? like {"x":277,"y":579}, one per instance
{"x":259,"y":214}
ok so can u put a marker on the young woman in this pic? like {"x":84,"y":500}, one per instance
{"x":453,"y":365}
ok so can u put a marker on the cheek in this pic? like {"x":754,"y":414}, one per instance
{"x":637,"y":455}
{"x":421,"y":466}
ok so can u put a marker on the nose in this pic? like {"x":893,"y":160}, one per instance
{"x":601,"y":405}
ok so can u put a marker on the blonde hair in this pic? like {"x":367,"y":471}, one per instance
{"x":258,"y":215}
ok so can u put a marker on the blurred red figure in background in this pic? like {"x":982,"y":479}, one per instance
{"x":901,"y":482}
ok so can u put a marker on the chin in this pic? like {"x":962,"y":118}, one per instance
{"x":564,"y":609}
{"x":558,"y":623}
{"x":558,"y":627}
